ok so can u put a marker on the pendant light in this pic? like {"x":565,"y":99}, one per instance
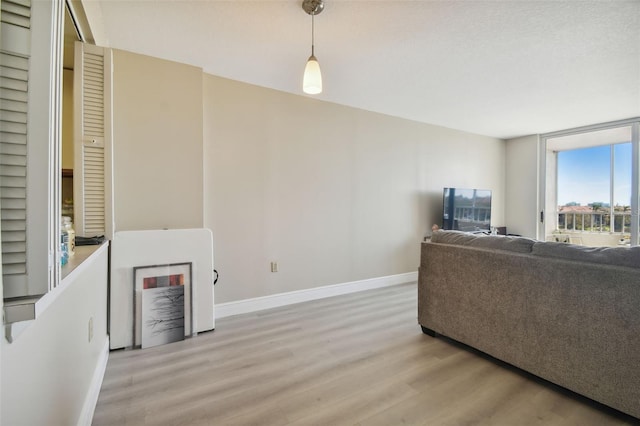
{"x":312,"y":81}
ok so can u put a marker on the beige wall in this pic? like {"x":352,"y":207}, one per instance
{"x":521,"y":208}
{"x":157,"y":140}
{"x":333,"y":194}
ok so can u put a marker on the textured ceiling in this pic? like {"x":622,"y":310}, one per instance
{"x":497,"y":68}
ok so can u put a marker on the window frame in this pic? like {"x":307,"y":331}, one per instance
{"x":547,"y":188}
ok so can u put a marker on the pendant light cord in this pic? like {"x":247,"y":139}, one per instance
{"x":312,"y":33}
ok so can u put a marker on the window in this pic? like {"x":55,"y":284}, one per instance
{"x":594,"y":189}
{"x":591,"y":182}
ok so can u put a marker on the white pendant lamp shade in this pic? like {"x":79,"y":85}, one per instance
{"x":312,"y":82}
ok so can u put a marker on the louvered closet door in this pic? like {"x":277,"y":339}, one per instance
{"x":14,"y":71}
{"x":89,"y":173}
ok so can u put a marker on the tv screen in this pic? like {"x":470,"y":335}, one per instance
{"x":467,"y":210}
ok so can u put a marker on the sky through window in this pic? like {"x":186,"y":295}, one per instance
{"x":584,"y":175}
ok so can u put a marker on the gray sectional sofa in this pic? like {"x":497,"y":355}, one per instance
{"x":569,"y":314}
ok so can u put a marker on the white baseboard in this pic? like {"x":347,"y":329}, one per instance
{"x":276,"y":300}
{"x":91,"y":400}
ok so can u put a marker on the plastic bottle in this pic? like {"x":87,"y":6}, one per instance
{"x":67,"y":225}
{"x":64,"y":246}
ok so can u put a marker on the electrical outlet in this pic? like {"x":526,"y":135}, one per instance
{"x":90,"y":329}
{"x":274,"y":266}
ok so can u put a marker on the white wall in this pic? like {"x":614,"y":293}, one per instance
{"x":333,"y":194}
{"x":157,"y":143}
{"x":47,"y":371}
{"x":521,"y":206}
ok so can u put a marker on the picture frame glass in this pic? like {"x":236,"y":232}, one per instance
{"x":163,"y":304}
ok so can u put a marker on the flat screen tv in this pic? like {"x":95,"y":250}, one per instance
{"x":467,"y":210}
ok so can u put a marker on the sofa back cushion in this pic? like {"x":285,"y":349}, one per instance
{"x":495,"y":242}
{"x":617,"y":256}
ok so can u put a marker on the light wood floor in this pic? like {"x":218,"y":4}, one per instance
{"x":359,"y":359}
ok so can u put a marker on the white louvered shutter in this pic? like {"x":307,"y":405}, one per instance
{"x":14,"y":71}
{"x":89,"y":183}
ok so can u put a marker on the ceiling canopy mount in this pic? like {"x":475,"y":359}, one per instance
{"x":313,"y":7}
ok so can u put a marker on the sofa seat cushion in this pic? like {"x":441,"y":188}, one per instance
{"x":616,"y":256}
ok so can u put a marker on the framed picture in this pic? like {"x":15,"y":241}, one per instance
{"x":163,"y":304}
